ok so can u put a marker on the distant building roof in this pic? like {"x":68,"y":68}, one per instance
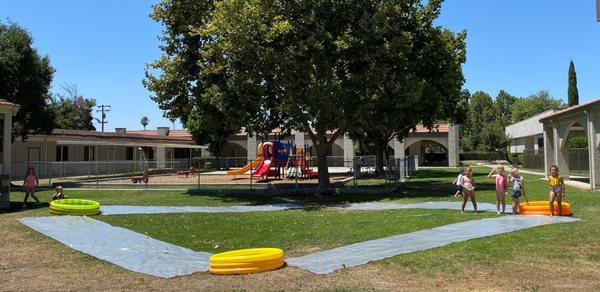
{"x":570,"y":109}
{"x":6,"y":103}
{"x":528,"y":127}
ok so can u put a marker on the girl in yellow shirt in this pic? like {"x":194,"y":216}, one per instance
{"x":557,"y":189}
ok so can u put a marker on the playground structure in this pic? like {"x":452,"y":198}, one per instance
{"x":276,"y":159}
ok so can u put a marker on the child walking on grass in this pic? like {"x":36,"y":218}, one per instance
{"x":557,"y":189}
{"x":29,"y":184}
{"x":501,"y":185}
{"x":468,"y":184}
{"x":457,"y":183}
{"x":517,"y":190}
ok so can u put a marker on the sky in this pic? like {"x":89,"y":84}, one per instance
{"x":513,"y":45}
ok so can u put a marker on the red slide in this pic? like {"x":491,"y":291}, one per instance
{"x":263,"y":168}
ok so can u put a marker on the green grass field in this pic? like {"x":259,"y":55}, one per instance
{"x":572,"y":250}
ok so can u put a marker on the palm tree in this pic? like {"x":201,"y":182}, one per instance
{"x":144,"y":122}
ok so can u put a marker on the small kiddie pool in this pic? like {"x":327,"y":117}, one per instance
{"x":543,"y":208}
{"x":74,"y":207}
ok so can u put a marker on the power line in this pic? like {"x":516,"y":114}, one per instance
{"x":104,"y":109}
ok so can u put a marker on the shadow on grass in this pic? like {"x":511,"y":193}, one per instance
{"x":15,"y":207}
{"x":427,"y":183}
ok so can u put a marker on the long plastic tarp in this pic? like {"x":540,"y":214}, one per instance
{"x":120,"y":246}
{"x":424,"y":205}
{"x":364,"y":252}
{"x":126,"y":209}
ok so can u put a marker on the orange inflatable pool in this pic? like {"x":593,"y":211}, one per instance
{"x":543,"y":208}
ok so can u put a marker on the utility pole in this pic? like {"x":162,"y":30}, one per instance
{"x":104,"y":109}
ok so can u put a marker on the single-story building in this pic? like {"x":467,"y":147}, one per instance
{"x":527,"y":134}
{"x":77,"y":152}
{"x":443,"y":139}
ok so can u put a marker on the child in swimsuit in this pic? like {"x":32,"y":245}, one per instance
{"x":29,"y":184}
{"x":457,"y":185}
{"x":468,"y":184}
{"x":517,"y":190}
{"x":501,"y":185}
{"x":557,"y":189}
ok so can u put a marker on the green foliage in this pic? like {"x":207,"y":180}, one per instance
{"x":411,"y":72}
{"x":578,"y":142}
{"x":316,"y":66}
{"x":534,"y":104}
{"x":484,"y":129}
{"x":72,"y":110}
{"x":25,"y":79}
{"x":573,"y":93}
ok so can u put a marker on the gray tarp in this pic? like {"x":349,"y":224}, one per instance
{"x":120,"y":246}
{"x":361,"y":253}
{"x":126,"y":209}
{"x":425,"y":205}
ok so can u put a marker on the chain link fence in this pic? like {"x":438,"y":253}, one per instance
{"x":220,"y":175}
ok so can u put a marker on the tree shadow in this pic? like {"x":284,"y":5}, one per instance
{"x":15,"y":207}
{"x":426,"y":183}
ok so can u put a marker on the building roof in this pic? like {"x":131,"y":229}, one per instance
{"x":570,"y":110}
{"x":115,"y":135}
{"x":12,"y":106}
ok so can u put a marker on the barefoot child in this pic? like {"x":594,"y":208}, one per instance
{"x":468,"y":184}
{"x":457,"y":184}
{"x":29,"y":184}
{"x":517,"y":190}
{"x":557,"y":189}
{"x":501,"y":185}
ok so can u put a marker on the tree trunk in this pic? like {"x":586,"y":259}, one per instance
{"x":379,"y":157}
{"x":323,"y":168}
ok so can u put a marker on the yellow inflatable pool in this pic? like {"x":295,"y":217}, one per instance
{"x":246,"y":261}
{"x":74,"y":207}
{"x":543,"y":208}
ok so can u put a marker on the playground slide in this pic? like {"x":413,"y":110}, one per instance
{"x":263,"y":169}
{"x":248,"y":166}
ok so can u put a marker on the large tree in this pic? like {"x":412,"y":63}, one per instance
{"x":484,"y":129}
{"x":308,"y":65}
{"x":412,"y":73}
{"x":73,"y":110}
{"x":534,"y":104}
{"x":25,"y":79}
{"x":573,"y":93}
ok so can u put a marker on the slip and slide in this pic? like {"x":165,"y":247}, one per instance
{"x":143,"y":254}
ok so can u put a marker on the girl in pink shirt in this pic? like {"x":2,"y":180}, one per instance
{"x":29,"y":184}
{"x":501,"y":186}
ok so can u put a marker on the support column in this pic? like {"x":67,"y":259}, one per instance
{"x":548,"y":147}
{"x":593,"y":128}
{"x":251,"y":144}
{"x":299,"y":140}
{"x":348,"y":151}
{"x":453,"y":145}
{"x":160,"y":157}
{"x":6,"y":159}
{"x":561,"y":154}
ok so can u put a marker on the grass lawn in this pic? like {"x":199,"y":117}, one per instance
{"x":562,"y":256}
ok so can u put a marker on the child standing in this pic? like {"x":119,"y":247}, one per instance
{"x":517,"y":190}
{"x":557,"y":189}
{"x":29,"y":184}
{"x":501,"y":185}
{"x":457,"y":183}
{"x":468,"y":184}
